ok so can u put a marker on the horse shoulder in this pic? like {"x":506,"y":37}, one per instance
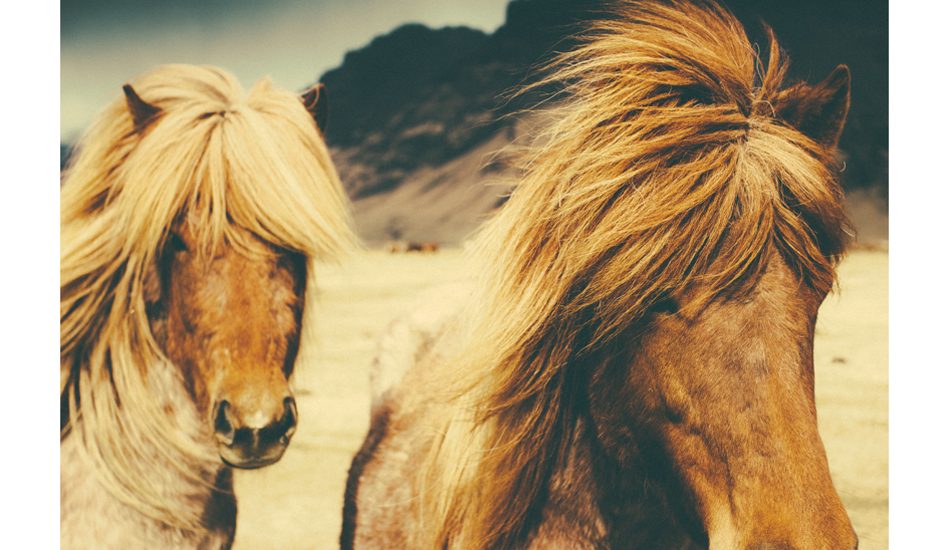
{"x":381,"y":501}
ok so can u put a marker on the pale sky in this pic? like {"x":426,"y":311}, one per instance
{"x":106,"y":42}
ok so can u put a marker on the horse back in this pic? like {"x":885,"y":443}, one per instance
{"x":379,"y":504}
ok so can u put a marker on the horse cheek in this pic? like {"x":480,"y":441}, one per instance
{"x":623,"y":398}
{"x":191,"y":309}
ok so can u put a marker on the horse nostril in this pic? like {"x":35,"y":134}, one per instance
{"x":289,"y":419}
{"x":223,"y":428}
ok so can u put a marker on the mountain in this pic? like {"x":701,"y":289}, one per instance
{"x":422,"y":97}
{"x":417,"y":116}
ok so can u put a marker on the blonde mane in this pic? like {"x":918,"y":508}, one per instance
{"x":226,"y":159}
{"x":666,"y":165}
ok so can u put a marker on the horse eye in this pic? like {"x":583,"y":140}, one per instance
{"x":294,"y":262}
{"x":176,"y":243}
{"x":665,"y":306}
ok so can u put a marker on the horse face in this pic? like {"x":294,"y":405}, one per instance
{"x":719,"y":407}
{"x":231,"y":321}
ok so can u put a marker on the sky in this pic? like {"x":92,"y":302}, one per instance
{"x":104,"y":43}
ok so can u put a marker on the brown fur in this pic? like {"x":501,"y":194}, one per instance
{"x":188,"y":219}
{"x":636,"y":368}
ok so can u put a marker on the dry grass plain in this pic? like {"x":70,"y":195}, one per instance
{"x":296,"y":504}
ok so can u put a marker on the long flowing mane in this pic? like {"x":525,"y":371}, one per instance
{"x":668,"y":162}
{"x":224,"y":158}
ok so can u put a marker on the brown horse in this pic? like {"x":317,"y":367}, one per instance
{"x":405,"y":246}
{"x":634,"y":367}
{"x":189,"y":219}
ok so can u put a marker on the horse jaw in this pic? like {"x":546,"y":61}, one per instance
{"x":726,"y":397}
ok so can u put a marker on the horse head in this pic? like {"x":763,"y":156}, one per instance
{"x":228,"y":313}
{"x":191,"y":213}
{"x":230,"y":319}
{"x":715,"y":395}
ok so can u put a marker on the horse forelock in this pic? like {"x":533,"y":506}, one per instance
{"x":229,"y":164}
{"x":665,"y":167}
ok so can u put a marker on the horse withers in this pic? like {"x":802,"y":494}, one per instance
{"x":190,"y":215}
{"x":634,"y":369}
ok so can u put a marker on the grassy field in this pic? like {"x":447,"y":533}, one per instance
{"x":296,"y":504}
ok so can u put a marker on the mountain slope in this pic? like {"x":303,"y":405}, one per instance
{"x":417,"y":113}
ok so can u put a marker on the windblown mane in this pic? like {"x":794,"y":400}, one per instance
{"x":225,"y":159}
{"x":667,"y":154}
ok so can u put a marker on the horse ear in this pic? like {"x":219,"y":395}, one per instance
{"x":317,"y":104}
{"x":818,"y":111}
{"x":142,"y":112}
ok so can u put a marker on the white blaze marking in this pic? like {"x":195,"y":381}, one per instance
{"x":256,"y":420}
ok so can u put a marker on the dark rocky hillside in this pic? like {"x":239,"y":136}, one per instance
{"x":422,"y":97}
{"x":417,"y":113}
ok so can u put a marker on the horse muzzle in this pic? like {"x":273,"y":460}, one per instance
{"x":253,"y":442}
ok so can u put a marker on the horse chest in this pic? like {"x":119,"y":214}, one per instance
{"x":92,"y":517}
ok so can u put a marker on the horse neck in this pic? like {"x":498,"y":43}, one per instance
{"x":167,"y":386}
{"x":594,"y":503}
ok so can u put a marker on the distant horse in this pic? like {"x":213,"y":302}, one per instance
{"x":428,"y":246}
{"x":396,"y":247}
{"x":189,"y":217}
{"x":634,"y":368}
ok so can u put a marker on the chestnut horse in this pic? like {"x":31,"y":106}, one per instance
{"x":189,"y":218}
{"x":634,"y":366}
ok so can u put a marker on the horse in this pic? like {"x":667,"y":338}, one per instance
{"x":190,"y":216}
{"x":395,"y":247}
{"x":427,"y":246}
{"x":631,"y":366}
